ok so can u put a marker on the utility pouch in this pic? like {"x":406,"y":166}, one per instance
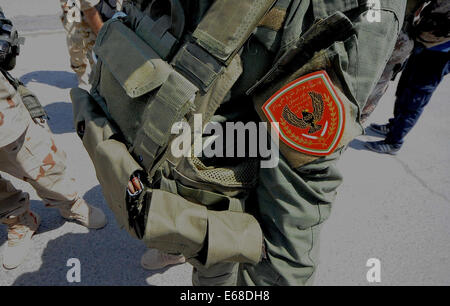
{"x":32,"y":103}
{"x":201,"y":67}
{"x":202,"y":225}
{"x":142,"y":71}
{"x":160,"y":33}
{"x":29,"y":99}
{"x":144,"y":95}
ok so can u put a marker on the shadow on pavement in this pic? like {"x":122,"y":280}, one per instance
{"x":50,"y":220}
{"x":102,"y":262}
{"x":108,"y":256}
{"x":60,"y":79}
{"x":358,"y":145}
{"x":61,"y":117}
{"x":50,"y":217}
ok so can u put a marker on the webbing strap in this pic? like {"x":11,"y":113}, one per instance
{"x":228,"y":24}
{"x":171,"y":103}
{"x":200,"y":67}
{"x":220,"y":35}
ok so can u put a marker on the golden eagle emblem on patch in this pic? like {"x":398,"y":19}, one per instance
{"x":309,"y":120}
{"x":309,"y":113}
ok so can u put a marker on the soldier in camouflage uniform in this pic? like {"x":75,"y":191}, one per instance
{"x":29,"y":152}
{"x":82,"y":20}
{"x":273,"y":239}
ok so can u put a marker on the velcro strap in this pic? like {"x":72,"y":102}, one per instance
{"x":199,"y":66}
{"x":228,"y":24}
{"x":274,"y":19}
{"x":173,"y":101}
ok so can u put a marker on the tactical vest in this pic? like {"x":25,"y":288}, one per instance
{"x":152,"y":74}
{"x":107,"y":8}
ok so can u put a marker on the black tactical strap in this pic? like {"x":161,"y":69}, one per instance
{"x":198,"y":66}
{"x":32,"y":103}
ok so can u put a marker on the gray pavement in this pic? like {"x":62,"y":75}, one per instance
{"x":395,"y":209}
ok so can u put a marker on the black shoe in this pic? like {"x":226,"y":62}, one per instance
{"x":382,"y":147}
{"x":382,"y":129}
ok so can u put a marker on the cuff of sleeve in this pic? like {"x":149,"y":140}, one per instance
{"x":233,"y":237}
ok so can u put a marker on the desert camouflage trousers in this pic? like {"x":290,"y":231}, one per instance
{"x":35,"y":158}
{"x":80,"y":41}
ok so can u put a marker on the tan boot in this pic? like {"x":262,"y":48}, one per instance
{"x":85,"y":214}
{"x":154,"y":259}
{"x":20,"y":231}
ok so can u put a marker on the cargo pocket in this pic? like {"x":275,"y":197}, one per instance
{"x":233,"y":237}
{"x":83,"y":107}
{"x":231,"y":234}
{"x":176,"y":225}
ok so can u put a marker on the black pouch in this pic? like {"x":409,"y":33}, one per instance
{"x":32,"y":103}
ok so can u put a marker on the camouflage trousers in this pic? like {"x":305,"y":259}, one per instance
{"x":80,"y":42}
{"x":35,"y":158}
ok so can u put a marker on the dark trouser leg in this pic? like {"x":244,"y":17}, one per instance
{"x":424,"y":72}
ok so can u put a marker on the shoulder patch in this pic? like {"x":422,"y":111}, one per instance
{"x":310,"y":114}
